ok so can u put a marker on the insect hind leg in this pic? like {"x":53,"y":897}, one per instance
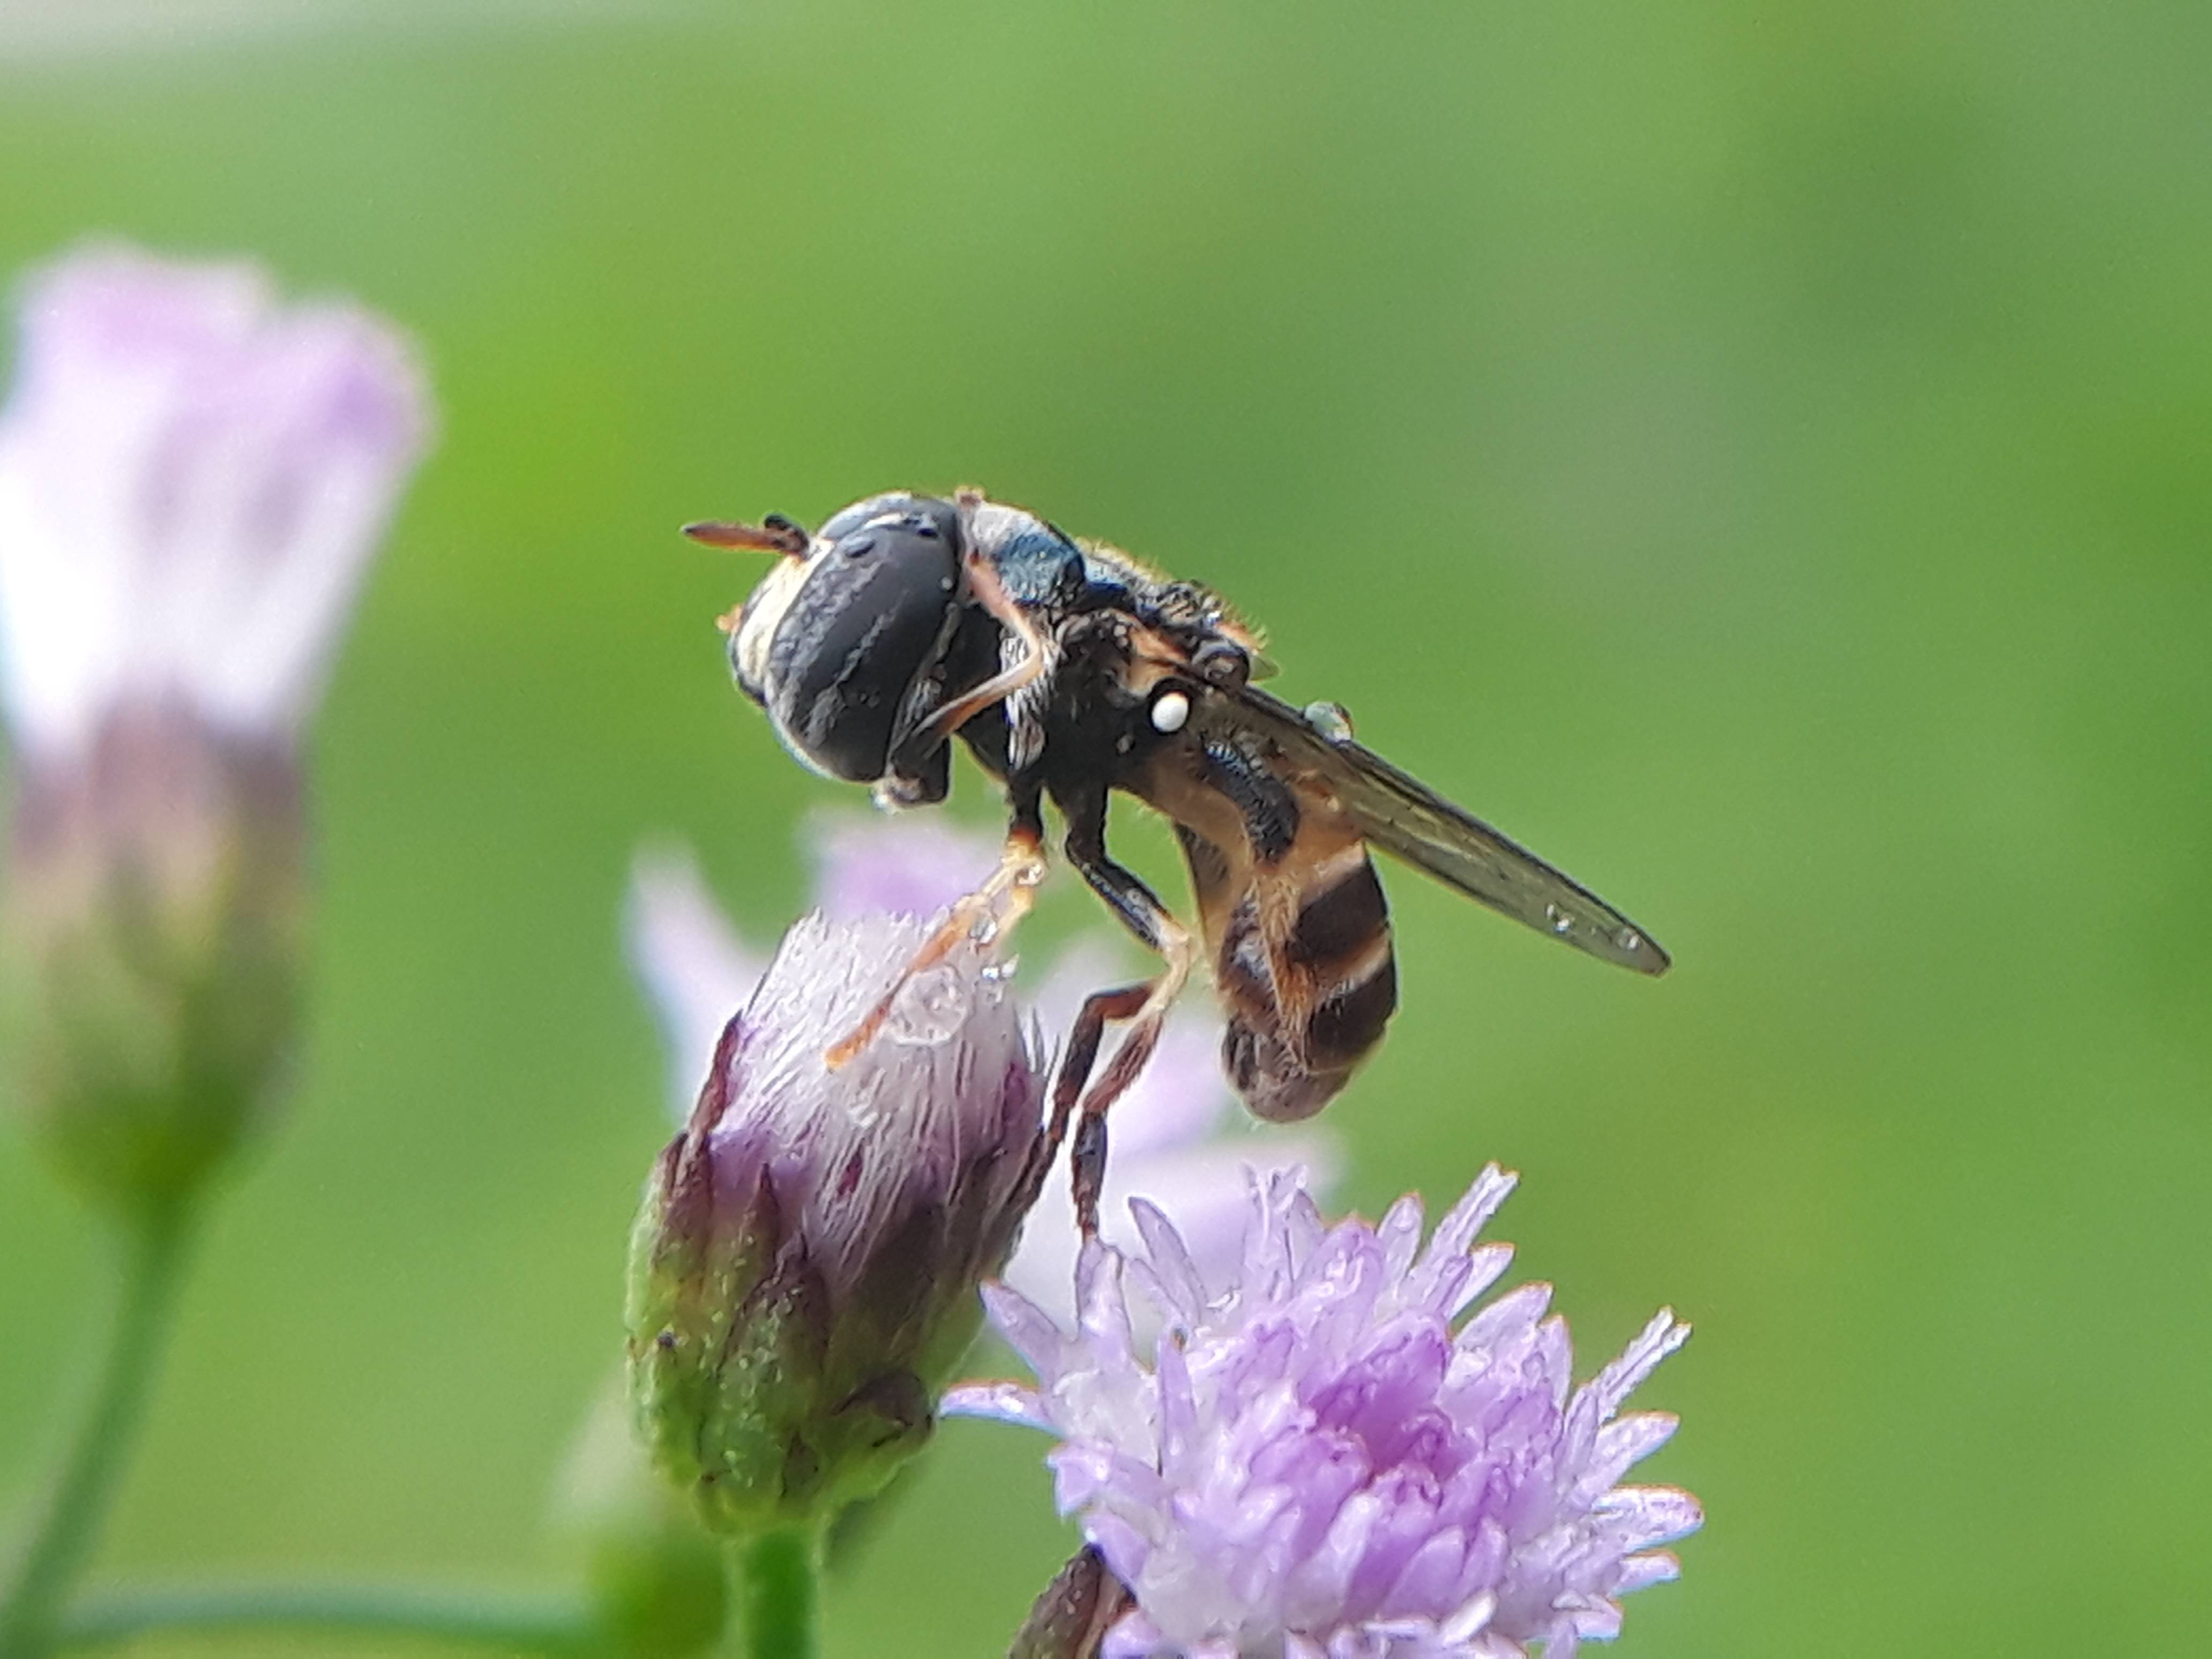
{"x":1086,"y":1158}
{"x":1145,"y":1007}
{"x":1077,"y":1059}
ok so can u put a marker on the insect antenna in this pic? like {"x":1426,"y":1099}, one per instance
{"x":773,"y":534}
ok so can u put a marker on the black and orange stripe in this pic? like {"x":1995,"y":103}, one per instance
{"x":1301,"y":958}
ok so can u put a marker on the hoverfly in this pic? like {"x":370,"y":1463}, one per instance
{"x":1071,"y":670}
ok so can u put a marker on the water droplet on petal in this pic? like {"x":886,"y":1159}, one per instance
{"x":930,"y":1008}
{"x":1330,"y":720}
{"x":999,"y":972}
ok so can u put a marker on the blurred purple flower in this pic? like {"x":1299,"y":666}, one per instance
{"x":192,"y":479}
{"x":900,"y":867}
{"x":1316,"y":1464}
{"x":1173,"y":1141}
{"x":695,"y":971}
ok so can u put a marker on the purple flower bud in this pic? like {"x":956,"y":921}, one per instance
{"x":1316,"y":1462}
{"x":804,"y":1272}
{"x":192,"y":482}
{"x":1178,"y":1139}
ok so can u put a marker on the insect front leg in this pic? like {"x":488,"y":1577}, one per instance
{"x":1035,"y":659}
{"x":1002,"y":901}
{"x":1145,"y":1007}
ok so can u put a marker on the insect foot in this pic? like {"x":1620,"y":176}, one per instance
{"x":804,"y":1270}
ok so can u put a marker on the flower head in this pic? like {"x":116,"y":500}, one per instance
{"x":191,"y":481}
{"x":1315,"y":1463}
{"x":804,"y":1271}
{"x":192,"y":478}
{"x":1173,"y":1137}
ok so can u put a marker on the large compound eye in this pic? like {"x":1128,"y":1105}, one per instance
{"x":943,"y":515}
{"x":876,"y":606}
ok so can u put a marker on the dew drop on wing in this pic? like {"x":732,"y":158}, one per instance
{"x":999,"y":972}
{"x":1562,"y":923}
{"x":1629,"y":941}
{"x":1330,"y":720}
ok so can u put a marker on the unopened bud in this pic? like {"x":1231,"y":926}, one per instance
{"x":153,"y":928}
{"x":804,"y":1271}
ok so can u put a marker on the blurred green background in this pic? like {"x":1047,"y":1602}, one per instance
{"x":1757,"y":453}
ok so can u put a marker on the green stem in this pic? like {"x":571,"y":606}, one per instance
{"x":62,"y":1537}
{"x":543,"y":1625}
{"x":772,"y":1593}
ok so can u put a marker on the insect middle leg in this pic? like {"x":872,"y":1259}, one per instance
{"x":1003,"y":900}
{"x":1144,"y":1006}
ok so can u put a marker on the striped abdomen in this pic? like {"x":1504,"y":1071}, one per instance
{"x":1301,"y":958}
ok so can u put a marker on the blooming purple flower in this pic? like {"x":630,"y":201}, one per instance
{"x":192,"y":479}
{"x":1176,"y":1139}
{"x":804,"y":1270}
{"x":1315,"y":1463}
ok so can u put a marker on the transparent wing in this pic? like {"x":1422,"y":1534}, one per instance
{"x":1405,"y":817}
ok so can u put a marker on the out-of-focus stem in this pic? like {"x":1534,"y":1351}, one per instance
{"x":773,"y":1594}
{"x":540,"y":1624}
{"x":61,"y":1539}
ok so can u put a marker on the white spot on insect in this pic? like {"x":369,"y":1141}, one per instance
{"x":1170,"y":709}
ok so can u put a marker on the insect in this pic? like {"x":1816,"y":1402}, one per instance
{"x":1070,"y":671}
